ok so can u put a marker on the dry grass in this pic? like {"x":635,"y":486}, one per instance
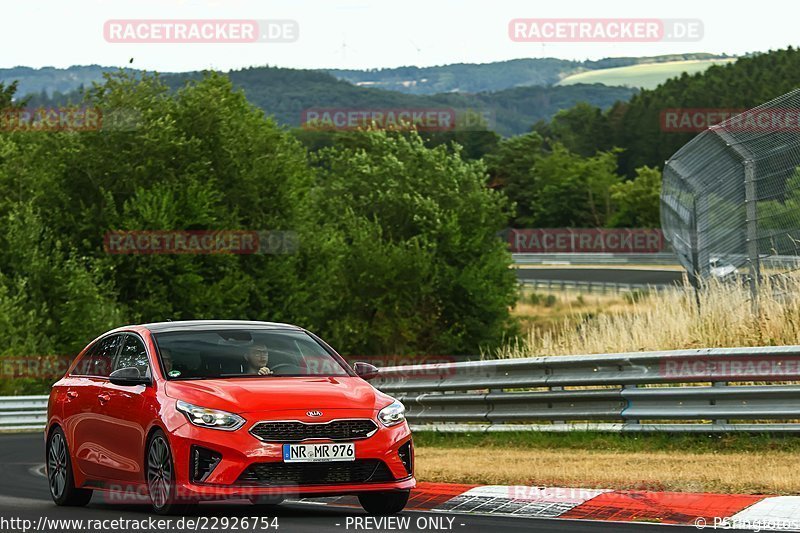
{"x":664,"y":321}
{"x":769,"y":472}
{"x":572,"y":324}
{"x":547,"y":312}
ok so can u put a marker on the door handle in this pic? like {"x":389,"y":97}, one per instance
{"x":72,"y":395}
{"x":103,"y":398}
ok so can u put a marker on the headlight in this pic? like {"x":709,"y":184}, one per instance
{"x":392,"y":414}
{"x":210,"y":418}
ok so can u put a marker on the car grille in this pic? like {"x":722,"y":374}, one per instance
{"x":358,"y":471}
{"x":295,"y":431}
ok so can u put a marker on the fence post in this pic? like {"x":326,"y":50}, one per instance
{"x":751,"y":199}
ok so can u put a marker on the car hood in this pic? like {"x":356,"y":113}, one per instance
{"x":238,"y":395}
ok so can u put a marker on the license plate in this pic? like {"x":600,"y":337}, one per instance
{"x":318,"y":453}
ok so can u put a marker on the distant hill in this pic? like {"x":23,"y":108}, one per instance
{"x":474,"y":78}
{"x":462,"y":78}
{"x":51,"y":80}
{"x":642,"y":75}
{"x":285,"y":93}
{"x":638,"y":126}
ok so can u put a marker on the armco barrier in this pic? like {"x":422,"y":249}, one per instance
{"x":684,"y":390}
{"x":714,"y":390}
{"x":555,"y":259}
{"x":589,"y":286}
{"x":22,"y":412}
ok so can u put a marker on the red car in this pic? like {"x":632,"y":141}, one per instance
{"x":205,"y":410}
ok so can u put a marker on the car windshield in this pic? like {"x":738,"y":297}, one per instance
{"x":238,"y":353}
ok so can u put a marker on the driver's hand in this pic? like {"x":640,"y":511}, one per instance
{"x":264,"y":371}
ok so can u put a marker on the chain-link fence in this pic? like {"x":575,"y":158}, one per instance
{"x":730,"y":200}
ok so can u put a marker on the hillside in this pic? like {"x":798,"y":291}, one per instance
{"x":636,"y":126}
{"x":474,"y":78}
{"x":465,"y":78}
{"x":286,"y":93}
{"x":643,"y":75}
{"x":52,"y":80}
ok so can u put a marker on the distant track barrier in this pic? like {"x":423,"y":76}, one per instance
{"x":588,"y":286}
{"x":555,"y":259}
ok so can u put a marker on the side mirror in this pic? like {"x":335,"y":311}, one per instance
{"x":128,"y":376}
{"x":366,"y":370}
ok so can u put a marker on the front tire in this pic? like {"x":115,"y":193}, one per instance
{"x":59,"y":473}
{"x":384,"y":503}
{"x":161,"y":478}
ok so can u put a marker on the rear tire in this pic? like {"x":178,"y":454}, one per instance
{"x":59,"y":473}
{"x":161,"y":478}
{"x":384,"y":503}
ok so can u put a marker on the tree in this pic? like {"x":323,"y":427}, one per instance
{"x":638,"y":200}
{"x":407,"y":258}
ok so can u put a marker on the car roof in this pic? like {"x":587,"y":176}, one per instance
{"x":195,"y":325}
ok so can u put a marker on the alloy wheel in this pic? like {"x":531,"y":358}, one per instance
{"x":57,"y":465}
{"x":159,"y":472}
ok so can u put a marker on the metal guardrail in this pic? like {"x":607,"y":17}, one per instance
{"x":22,"y":412}
{"x":588,"y":286}
{"x":715,"y":390}
{"x":685,"y":390}
{"x":660,"y":258}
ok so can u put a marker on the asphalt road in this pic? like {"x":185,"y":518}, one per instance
{"x":607,"y":275}
{"x":24,"y":496}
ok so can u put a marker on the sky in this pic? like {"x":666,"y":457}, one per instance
{"x":364,"y":34}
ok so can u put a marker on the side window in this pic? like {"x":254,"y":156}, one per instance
{"x":103,"y":357}
{"x":133,"y":354}
{"x":84,"y":366}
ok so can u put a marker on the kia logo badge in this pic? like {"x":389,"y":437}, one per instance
{"x":314,"y":413}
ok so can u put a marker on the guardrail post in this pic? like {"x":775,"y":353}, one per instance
{"x":720,"y":421}
{"x":631,"y":422}
{"x":556,"y":389}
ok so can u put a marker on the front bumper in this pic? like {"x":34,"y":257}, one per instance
{"x":239,"y":450}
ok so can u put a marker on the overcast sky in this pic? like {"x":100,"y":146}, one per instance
{"x":369,"y":33}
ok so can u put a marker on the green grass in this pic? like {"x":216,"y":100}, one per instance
{"x":646,"y":75}
{"x":612,"y":442}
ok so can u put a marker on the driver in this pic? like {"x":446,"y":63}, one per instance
{"x":256,"y":359}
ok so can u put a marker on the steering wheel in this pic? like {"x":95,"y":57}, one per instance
{"x":273,"y":368}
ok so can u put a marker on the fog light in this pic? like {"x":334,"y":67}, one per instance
{"x":406,"y":453}
{"x":204,"y":461}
